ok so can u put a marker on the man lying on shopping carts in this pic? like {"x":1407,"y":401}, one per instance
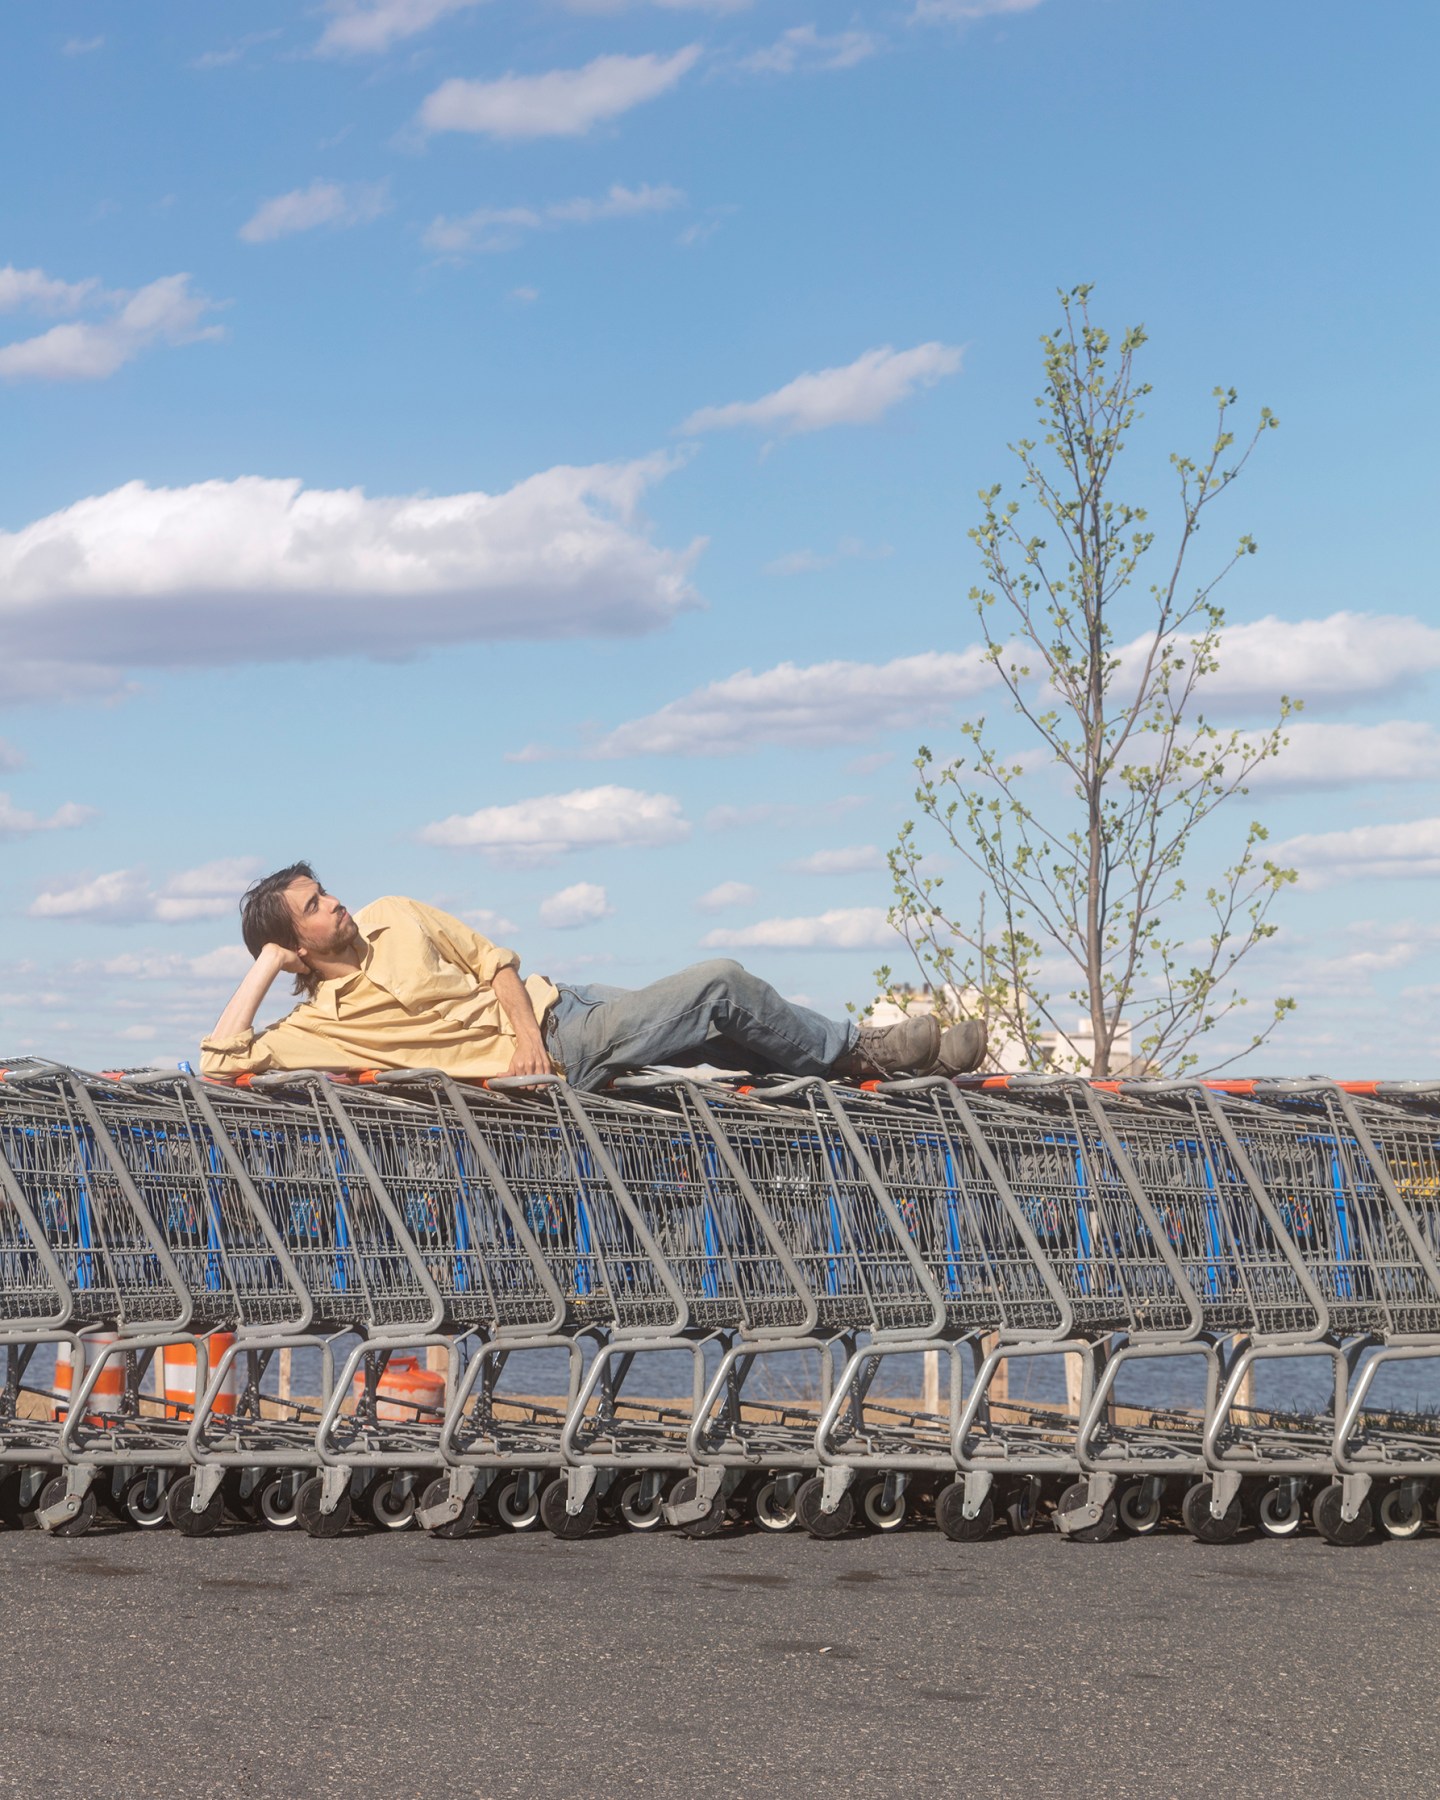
{"x":401,"y":985}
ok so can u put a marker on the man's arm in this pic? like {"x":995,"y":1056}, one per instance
{"x":530,"y":1056}
{"x":246,"y":1001}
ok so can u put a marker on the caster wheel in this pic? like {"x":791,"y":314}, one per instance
{"x":33,"y":1483}
{"x":315,"y":1523}
{"x":1280,"y":1510}
{"x":452,"y":1528}
{"x":1023,"y":1512}
{"x":1401,"y":1514}
{"x":12,"y":1511}
{"x":950,"y":1515}
{"x":514,"y":1508}
{"x":1201,"y":1523}
{"x":1332,"y":1527}
{"x":876,"y":1513}
{"x":822,"y":1524}
{"x":182,"y":1514}
{"x":1105,"y":1527}
{"x":274,"y":1502}
{"x":52,"y":1494}
{"x":146,"y":1506}
{"x":634,"y":1512}
{"x":558,"y":1520}
{"x":709,"y":1523}
{"x":381,"y":1506}
{"x":1139,"y":1509}
{"x":771,"y":1510}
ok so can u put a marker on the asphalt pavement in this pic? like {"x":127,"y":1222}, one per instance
{"x":264,"y":1664}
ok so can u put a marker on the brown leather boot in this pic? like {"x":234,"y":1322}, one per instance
{"x":962,"y":1048}
{"x":882,"y":1051}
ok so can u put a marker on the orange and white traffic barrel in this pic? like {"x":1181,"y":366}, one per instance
{"x":407,"y":1392}
{"x":175,"y":1375}
{"x":108,"y":1393}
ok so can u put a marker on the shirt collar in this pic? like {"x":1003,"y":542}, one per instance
{"x":327,"y":995}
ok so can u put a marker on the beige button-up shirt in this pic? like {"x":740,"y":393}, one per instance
{"x":421,"y":999}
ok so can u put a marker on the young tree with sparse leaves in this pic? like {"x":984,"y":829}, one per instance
{"x":1096,"y":878}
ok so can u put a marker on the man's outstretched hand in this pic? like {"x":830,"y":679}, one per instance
{"x":530,"y":1059}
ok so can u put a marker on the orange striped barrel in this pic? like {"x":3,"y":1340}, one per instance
{"x":407,"y":1392}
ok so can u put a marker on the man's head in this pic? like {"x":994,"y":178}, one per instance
{"x":292,"y":909}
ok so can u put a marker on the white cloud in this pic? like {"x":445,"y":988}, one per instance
{"x":609,"y":7}
{"x":527,"y":296}
{"x":78,"y":46}
{"x":254,"y":570}
{"x":582,"y":904}
{"x":805,"y":47}
{"x":16,"y":822}
{"x":1365,"y":852}
{"x":547,"y":826}
{"x":226,"y":963}
{"x":11,"y":757}
{"x":494,"y":229}
{"x":234,"y":53}
{"x":1345,"y":656}
{"x":856,"y":394}
{"x":823,"y":703}
{"x":367,"y":27}
{"x":491,"y":924}
{"x":856,"y":859}
{"x":164,"y":312}
{"x":139,"y":1034}
{"x":1332,"y":756}
{"x":808,"y":562}
{"x":322,"y":203}
{"x":559,"y":103}
{"x":728,"y":893}
{"x":32,"y":290}
{"x":843,"y":928}
{"x":945,"y":12}
{"x":127,"y":896}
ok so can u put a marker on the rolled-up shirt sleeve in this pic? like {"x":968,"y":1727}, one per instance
{"x":283,"y":1045}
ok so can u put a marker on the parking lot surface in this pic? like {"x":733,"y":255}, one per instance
{"x":258,"y":1663}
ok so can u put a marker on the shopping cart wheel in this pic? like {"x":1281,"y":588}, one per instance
{"x":1331,"y":1526}
{"x":516,"y":1507}
{"x":12,"y":1510}
{"x":950,"y":1514}
{"x":275,"y":1501}
{"x":771,"y":1511}
{"x":460,"y":1527}
{"x":1280,"y":1510}
{"x":146,"y":1505}
{"x":632,"y":1508}
{"x":1077,"y":1495}
{"x":559,"y":1520}
{"x":1202,"y":1524}
{"x":876,"y":1513}
{"x":1023,"y":1512}
{"x":1402,"y":1513}
{"x":52,"y":1494}
{"x":1140,"y":1509}
{"x":822,"y":1524}
{"x":708,"y":1523}
{"x":380,"y":1505}
{"x":319,"y":1524}
{"x":182,"y":1514}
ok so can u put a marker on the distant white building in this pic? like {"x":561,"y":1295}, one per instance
{"x":1065,"y":1052}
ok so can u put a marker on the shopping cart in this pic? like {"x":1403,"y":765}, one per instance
{"x":116,"y":1297}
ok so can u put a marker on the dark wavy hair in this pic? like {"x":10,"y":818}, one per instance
{"x":265,"y":918}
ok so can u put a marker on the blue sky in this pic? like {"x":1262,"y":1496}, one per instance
{"x":521,"y":456}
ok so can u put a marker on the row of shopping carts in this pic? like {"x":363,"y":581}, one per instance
{"x":743,"y":1230}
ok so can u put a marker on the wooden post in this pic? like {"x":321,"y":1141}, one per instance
{"x":283,"y":1378}
{"x":930,"y":1387}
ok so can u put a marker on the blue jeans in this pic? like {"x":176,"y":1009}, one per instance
{"x":716,"y":1012}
